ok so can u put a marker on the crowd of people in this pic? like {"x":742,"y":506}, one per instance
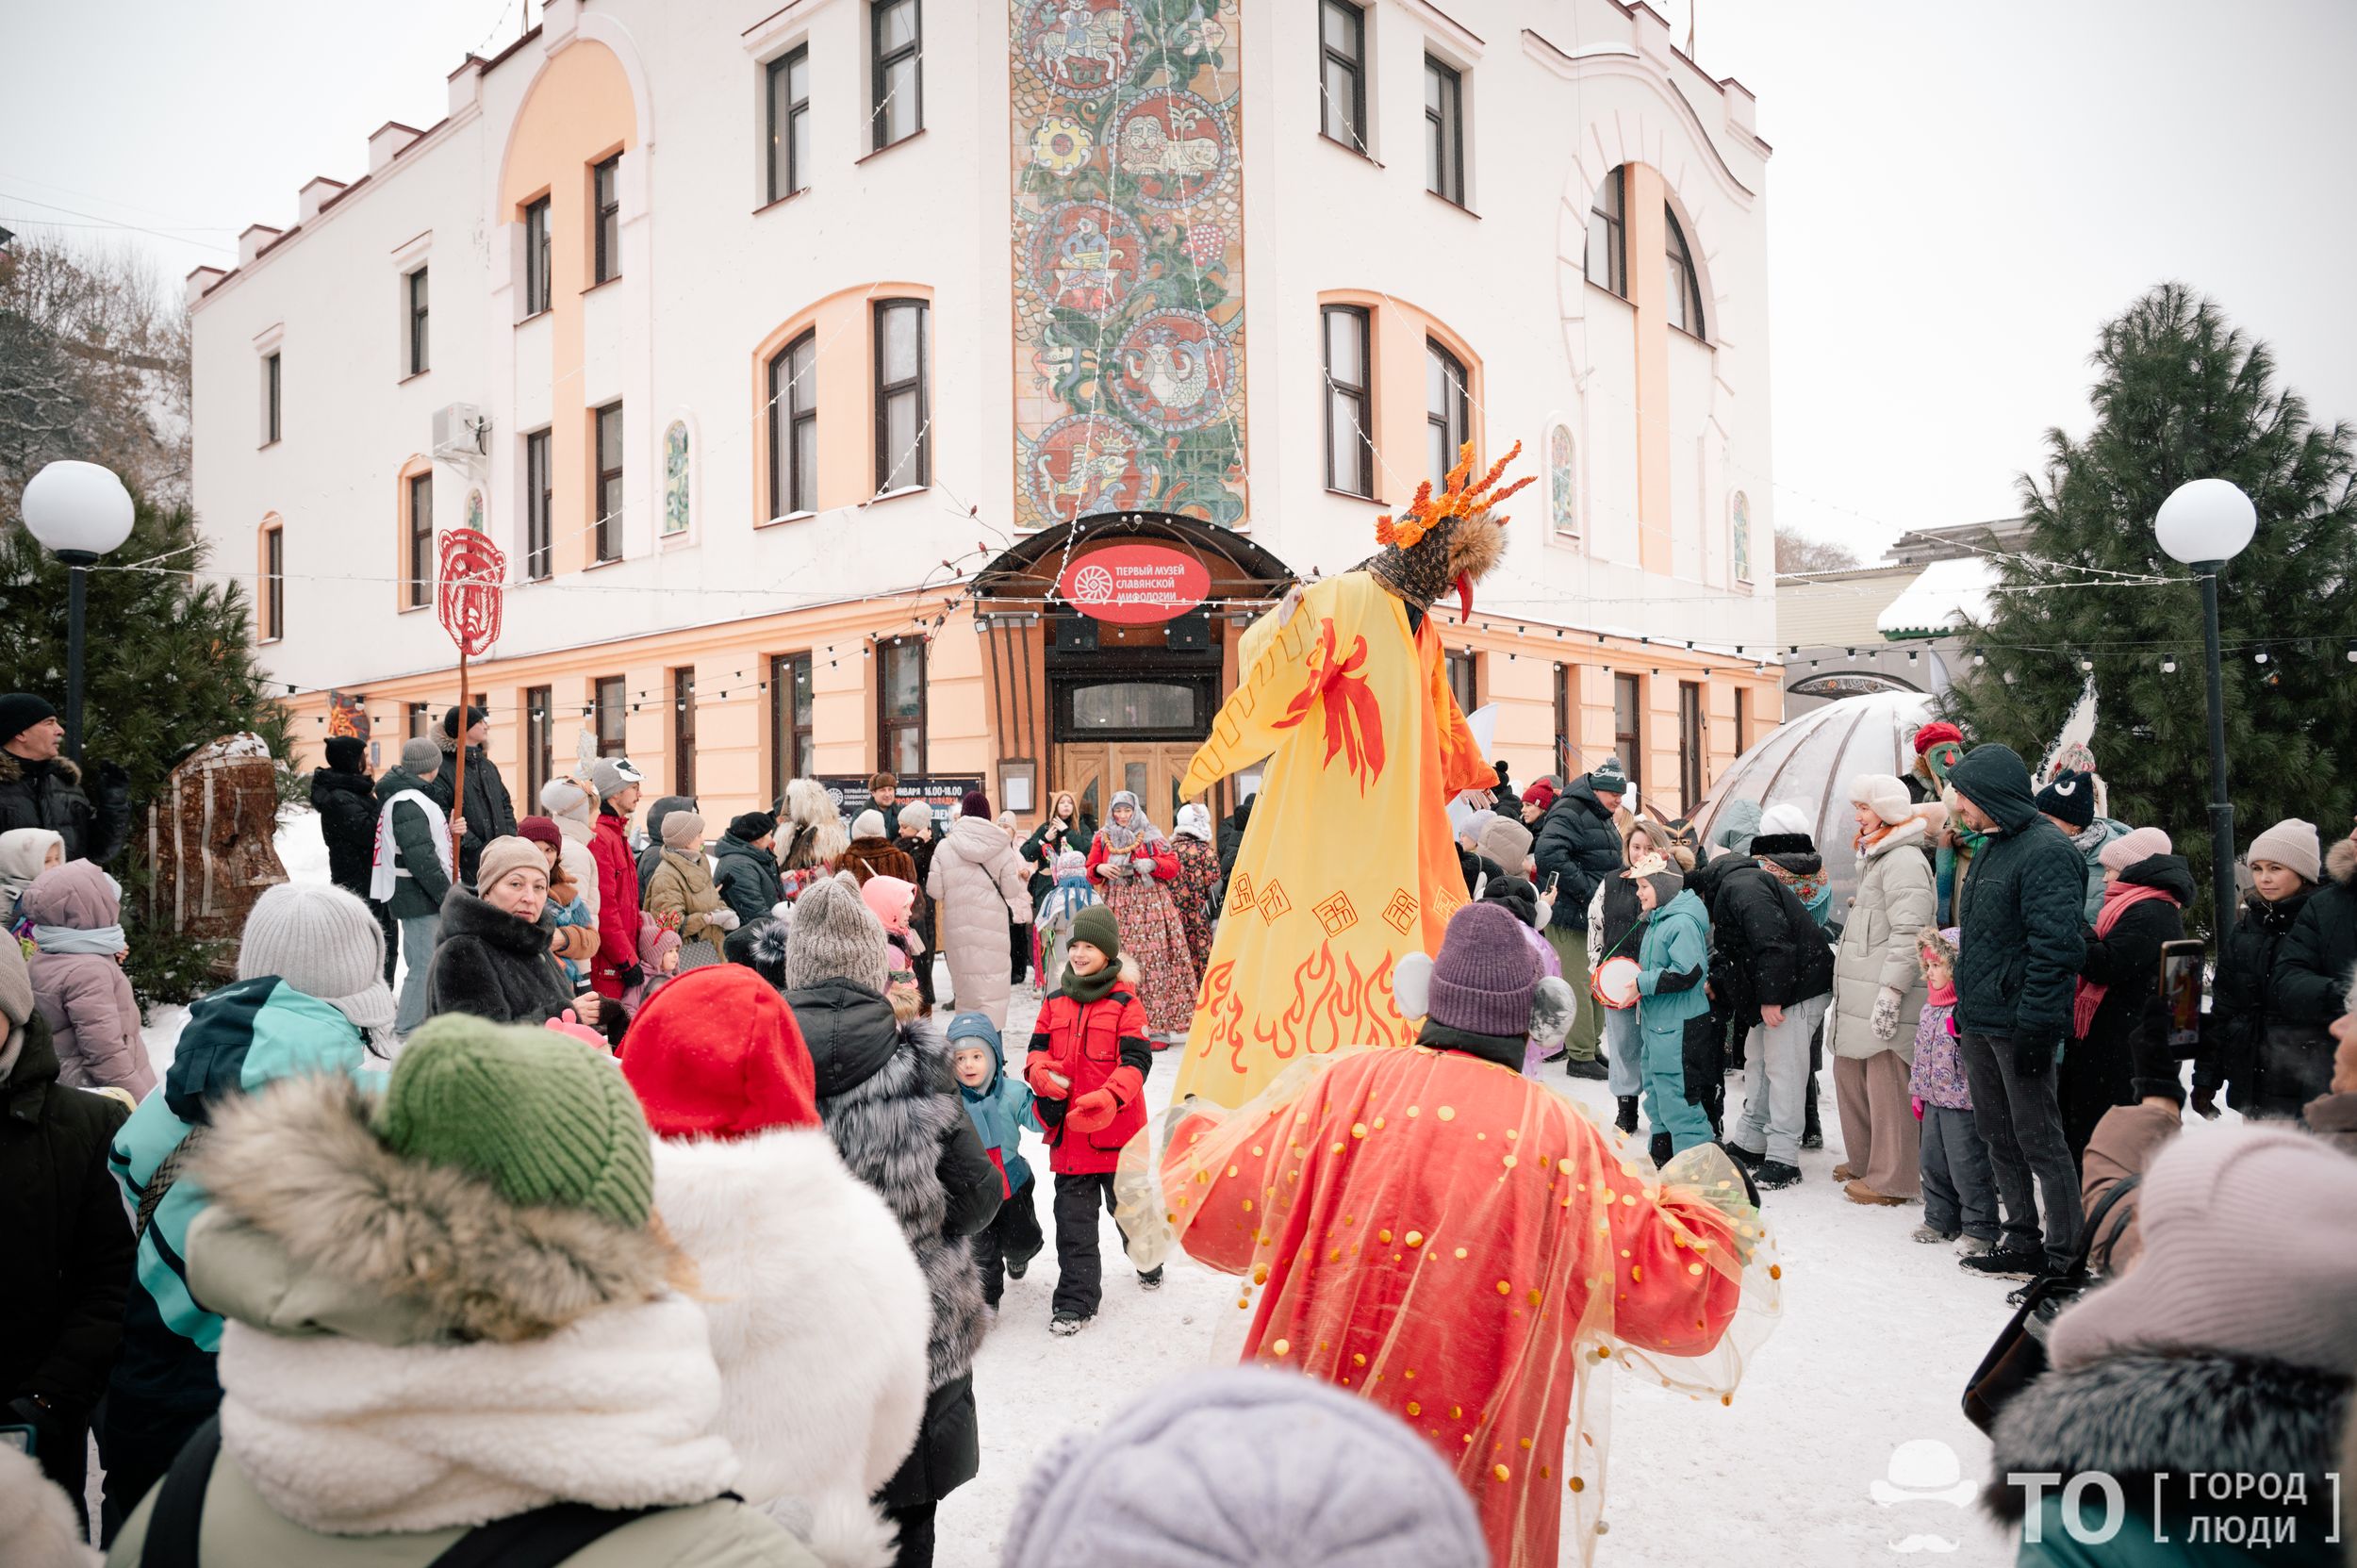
{"x":367,"y":1276}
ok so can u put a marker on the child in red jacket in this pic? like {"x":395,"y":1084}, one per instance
{"x":1087,"y":1066}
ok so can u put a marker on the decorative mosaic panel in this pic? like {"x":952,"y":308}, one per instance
{"x":675,"y":500}
{"x":1562,"y":502}
{"x":1740,"y":535}
{"x":1129,"y":259}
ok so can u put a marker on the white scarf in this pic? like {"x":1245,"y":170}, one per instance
{"x":349,"y":1438}
{"x":388,"y":853}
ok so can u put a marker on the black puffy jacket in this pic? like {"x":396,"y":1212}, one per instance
{"x":2021,"y":907}
{"x":2311,"y":967}
{"x":2099,"y":1067}
{"x":348,"y":812}
{"x":70,"y":1249}
{"x":1576,"y":847}
{"x":52,"y":795}
{"x":1765,"y":949}
{"x":2234,"y":1036}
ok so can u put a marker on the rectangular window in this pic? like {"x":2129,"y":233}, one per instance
{"x":270,"y":386}
{"x":605,"y":201}
{"x":683,"y":732}
{"x":1446,"y":415}
{"x":896,"y":101}
{"x":1342,"y":72}
{"x":1443,"y":131}
{"x":900,"y":706}
{"x":1463,"y":677}
{"x":274,"y":584}
{"x":416,"y":717}
{"x":1563,"y":679}
{"x":539,"y":741}
{"x":1349,"y":406}
{"x":1628,"y":739}
{"x":903,"y":449}
{"x":612,"y":718}
{"x":1742,"y":719}
{"x":1608,"y":237}
{"x":419,"y":362}
{"x":536,"y":274}
{"x":607,"y":498}
{"x":794,"y":427}
{"x":789,"y":720}
{"x":1691,"y":759}
{"x":789,"y":124}
{"x":420,"y":544}
{"x":539,"y":502}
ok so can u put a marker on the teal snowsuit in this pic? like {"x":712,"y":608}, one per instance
{"x":1672,"y":965}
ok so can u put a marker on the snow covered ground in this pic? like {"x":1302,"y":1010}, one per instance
{"x":1878,"y":1336}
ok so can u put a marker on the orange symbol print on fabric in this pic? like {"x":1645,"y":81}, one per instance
{"x":1335,"y":914}
{"x":1401,"y":911}
{"x":1241,"y":897}
{"x":1274,"y":903}
{"x":1354,"y":722}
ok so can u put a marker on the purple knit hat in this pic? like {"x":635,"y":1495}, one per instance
{"x":1482,"y":980}
{"x":1246,"y":1466}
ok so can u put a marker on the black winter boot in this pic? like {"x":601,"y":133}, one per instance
{"x":1661,"y":1149}
{"x":1812,"y":1131}
{"x":1626,"y":1120}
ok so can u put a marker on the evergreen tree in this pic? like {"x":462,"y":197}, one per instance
{"x":167,"y":666}
{"x":2180,"y":394}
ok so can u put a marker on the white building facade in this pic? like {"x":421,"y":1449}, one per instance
{"x":789,"y":355}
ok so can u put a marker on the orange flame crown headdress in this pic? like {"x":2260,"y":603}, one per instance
{"x":1457,"y":498}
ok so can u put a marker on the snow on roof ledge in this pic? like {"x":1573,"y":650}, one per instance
{"x":1941,"y":600}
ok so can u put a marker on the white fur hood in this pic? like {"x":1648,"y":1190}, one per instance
{"x":818,"y":1319}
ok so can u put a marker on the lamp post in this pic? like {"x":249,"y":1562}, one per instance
{"x":79,"y":512}
{"x":2205,"y":525}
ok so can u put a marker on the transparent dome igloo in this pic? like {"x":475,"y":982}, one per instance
{"x":1809,"y":762}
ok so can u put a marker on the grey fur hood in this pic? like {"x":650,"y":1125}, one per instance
{"x":890,"y":1127}
{"x":315,"y":1227}
{"x":2137,"y":1416}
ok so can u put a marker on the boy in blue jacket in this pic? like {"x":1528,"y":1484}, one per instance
{"x":1000,"y":1107}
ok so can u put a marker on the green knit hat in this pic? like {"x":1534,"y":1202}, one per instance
{"x":545,"y":1119}
{"x":1096,"y":926}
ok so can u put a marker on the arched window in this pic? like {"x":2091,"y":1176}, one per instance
{"x":1608,"y":235}
{"x":1683,"y":284}
{"x":1447,"y":418}
{"x":794,"y":427}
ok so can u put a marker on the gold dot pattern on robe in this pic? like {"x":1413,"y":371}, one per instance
{"x":1414,"y":1238}
{"x":1501,"y":1472}
{"x":1358,"y":1129}
{"x":1281,"y":1346}
{"x":1414,"y":1409}
{"x":1446,"y":1112}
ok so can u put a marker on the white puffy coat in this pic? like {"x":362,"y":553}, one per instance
{"x":1895,"y":901}
{"x":979,"y":884}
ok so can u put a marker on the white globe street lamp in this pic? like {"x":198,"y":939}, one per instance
{"x":2206,"y":523}
{"x":79,"y":512}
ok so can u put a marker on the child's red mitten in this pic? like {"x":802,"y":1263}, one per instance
{"x":1091,"y":1113}
{"x":1044,"y":1080}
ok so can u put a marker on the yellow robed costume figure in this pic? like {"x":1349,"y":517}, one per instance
{"x":1348,"y":864}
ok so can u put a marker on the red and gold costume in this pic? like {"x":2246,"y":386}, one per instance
{"x":1462,"y":1247}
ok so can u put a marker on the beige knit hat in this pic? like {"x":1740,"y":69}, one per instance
{"x":681,"y":828}
{"x":2249,"y":1249}
{"x":503,"y":855}
{"x":2292,"y":843}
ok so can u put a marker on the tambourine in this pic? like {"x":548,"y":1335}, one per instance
{"x":1614,"y":983}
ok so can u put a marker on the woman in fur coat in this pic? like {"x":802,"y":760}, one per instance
{"x":2227,"y":1348}
{"x":890,"y":1102}
{"x":450,"y":1306}
{"x":491,"y":955}
{"x":818,"y":1294}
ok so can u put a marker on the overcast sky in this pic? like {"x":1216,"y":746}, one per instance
{"x":1961,"y":193}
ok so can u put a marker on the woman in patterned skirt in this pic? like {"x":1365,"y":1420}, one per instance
{"x":1198,"y":887}
{"x":1134,"y":865}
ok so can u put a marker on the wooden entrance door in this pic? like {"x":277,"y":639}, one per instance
{"x":1096,"y":771}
